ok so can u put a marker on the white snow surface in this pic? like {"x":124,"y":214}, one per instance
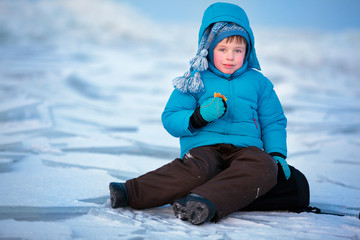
{"x":82,"y":88}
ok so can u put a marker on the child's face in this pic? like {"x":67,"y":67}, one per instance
{"x":229,"y":57}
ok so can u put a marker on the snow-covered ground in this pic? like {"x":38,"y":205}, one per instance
{"x":82,"y":88}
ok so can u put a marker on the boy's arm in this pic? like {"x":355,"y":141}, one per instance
{"x":176,"y":116}
{"x":273,"y":127}
{"x":273,"y":122}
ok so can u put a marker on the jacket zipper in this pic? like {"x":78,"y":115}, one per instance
{"x":228,"y":125}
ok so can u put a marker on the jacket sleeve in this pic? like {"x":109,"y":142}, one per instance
{"x":272,"y":121}
{"x":177,"y":113}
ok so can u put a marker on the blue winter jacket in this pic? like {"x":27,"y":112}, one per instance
{"x":254,"y":115}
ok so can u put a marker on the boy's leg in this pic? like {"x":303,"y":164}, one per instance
{"x":173,"y":180}
{"x":251,"y":173}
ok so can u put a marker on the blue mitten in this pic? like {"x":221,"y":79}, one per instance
{"x":212,"y":109}
{"x":284,"y":165}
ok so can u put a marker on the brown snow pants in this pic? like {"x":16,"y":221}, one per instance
{"x":230,"y":177}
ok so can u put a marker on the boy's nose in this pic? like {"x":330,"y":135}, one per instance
{"x":230,"y":55}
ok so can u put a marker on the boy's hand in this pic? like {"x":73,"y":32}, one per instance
{"x":284,"y":166}
{"x":212,"y":109}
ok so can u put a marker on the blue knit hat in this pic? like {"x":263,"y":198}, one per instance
{"x":191,"y":82}
{"x":228,"y":31}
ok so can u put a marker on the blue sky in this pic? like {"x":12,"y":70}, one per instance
{"x":330,"y":15}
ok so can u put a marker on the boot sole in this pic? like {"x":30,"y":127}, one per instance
{"x":116,"y":200}
{"x":112,"y":197}
{"x":194,"y":212}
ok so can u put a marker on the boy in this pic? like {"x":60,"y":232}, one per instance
{"x":230,"y":142}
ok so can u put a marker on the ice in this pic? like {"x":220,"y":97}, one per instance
{"x":82,"y":89}
{"x":5,"y":164}
{"x":35,"y":230}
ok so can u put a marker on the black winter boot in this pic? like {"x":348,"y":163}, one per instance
{"x":118,"y":195}
{"x":194,"y":208}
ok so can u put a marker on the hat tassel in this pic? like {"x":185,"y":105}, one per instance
{"x":199,"y":62}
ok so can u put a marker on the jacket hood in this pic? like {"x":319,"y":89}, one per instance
{"x":228,"y":12}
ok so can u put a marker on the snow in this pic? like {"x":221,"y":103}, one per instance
{"x":80,"y":106}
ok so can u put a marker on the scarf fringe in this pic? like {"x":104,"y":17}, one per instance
{"x":189,"y":84}
{"x":195,"y":84}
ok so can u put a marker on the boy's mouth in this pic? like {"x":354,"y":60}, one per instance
{"x":228,"y":65}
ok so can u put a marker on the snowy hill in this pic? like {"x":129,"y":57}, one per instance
{"x":82,"y":88}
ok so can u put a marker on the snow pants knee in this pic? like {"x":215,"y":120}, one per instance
{"x":231,"y":178}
